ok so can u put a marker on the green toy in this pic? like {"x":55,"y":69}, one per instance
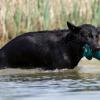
{"x":89,"y":54}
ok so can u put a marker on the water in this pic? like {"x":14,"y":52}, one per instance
{"x":83,"y":83}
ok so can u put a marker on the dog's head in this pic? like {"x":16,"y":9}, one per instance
{"x":86,"y":34}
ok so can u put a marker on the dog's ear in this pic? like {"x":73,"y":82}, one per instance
{"x":72,"y":27}
{"x":98,"y":29}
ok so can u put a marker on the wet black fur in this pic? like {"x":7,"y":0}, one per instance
{"x":55,"y":49}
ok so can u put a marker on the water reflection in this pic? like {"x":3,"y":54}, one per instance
{"x":57,"y":85}
{"x":48,"y":88}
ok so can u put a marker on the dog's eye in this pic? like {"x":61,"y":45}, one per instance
{"x":96,"y":36}
{"x":90,"y":36}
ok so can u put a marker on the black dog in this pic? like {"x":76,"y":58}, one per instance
{"x":49,"y":49}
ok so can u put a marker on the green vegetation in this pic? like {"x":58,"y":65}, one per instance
{"x":32,"y":15}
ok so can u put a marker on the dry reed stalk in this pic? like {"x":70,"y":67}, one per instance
{"x":19,"y":16}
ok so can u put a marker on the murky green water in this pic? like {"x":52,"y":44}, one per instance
{"x":80,"y":84}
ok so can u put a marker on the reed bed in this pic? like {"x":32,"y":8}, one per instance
{"x":19,"y":16}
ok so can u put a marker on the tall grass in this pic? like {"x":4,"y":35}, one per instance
{"x":19,"y":16}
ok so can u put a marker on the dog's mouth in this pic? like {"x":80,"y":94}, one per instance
{"x":96,"y":49}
